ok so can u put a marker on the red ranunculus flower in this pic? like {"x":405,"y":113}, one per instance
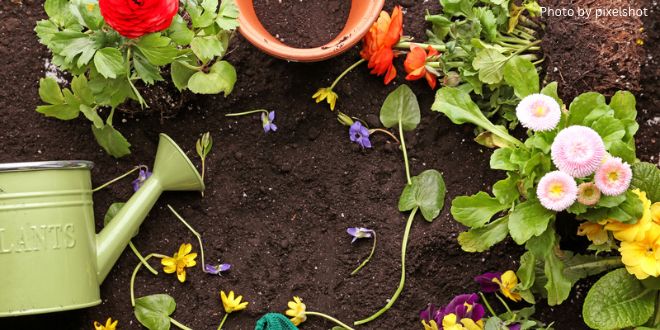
{"x":378,"y":43}
{"x":415,"y":64}
{"x":135,"y":18}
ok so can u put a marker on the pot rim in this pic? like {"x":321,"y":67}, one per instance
{"x":46,"y":165}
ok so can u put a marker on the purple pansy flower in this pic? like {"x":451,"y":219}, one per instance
{"x":143,"y":175}
{"x":431,"y":313}
{"x":216,"y":270}
{"x":359,"y":134}
{"x":515,"y":326}
{"x":485,"y":280}
{"x":267,"y":122}
{"x":359,"y":232}
{"x":465,"y":306}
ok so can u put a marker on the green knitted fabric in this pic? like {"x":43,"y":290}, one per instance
{"x":274,"y":321}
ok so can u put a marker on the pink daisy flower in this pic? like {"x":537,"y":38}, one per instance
{"x":578,"y":151}
{"x":538,"y":112}
{"x":557,"y":191}
{"x":613,"y":176}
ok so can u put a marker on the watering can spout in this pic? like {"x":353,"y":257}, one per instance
{"x":172,"y":171}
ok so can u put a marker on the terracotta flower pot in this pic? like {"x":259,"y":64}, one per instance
{"x":362,"y":15}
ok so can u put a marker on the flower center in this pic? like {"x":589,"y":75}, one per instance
{"x":613,"y":176}
{"x":579,"y":151}
{"x":540,"y":110}
{"x":556,"y":190}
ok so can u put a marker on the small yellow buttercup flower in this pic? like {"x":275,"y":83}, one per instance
{"x":326,"y":93}
{"x":231,"y":303}
{"x":430,"y":326}
{"x":633,"y":232}
{"x":642,"y":257}
{"x":297,"y":311}
{"x":180,"y":261}
{"x":507,"y":283}
{"x":109,"y":325}
{"x":595,"y":232}
{"x":451,"y":322}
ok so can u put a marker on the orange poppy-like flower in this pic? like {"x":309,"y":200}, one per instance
{"x":415,"y":64}
{"x":378,"y":43}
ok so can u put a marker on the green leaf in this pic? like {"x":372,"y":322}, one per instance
{"x":582,"y":106}
{"x":92,"y":115}
{"x":146,"y":71}
{"x":81,"y":90}
{"x":112,"y":212}
{"x":87,"y":13}
{"x":490,"y":64}
{"x":526,"y":272}
{"x":58,"y":11}
{"x":557,"y":286}
{"x":181,"y":74}
{"x":483,"y":238}
{"x":221,"y":78}
{"x":400,"y":107}
{"x":113,"y":142}
{"x":59,"y":111}
{"x":506,"y":190}
{"x":427,"y":192}
{"x":179,"y":31}
{"x":501,"y":160}
{"x":110,"y":92}
{"x":109,"y":62}
{"x":45,"y":30}
{"x":610,"y":129}
{"x":488,"y":22}
{"x":206,"y":48}
{"x":578,"y":266}
{"x":476,"y":210}
{"x":227,"y":15}
{"x":646,"y":177}
{"x":616,"y":301}
{"x":202,"y":15}
{"x":624,"y":105}
{"x":551,"y":90}
{"x":521,"y":74}
{"x":50,"y":91}
{"x":624,"y":151}
{"x":154,"y":311}
{"x":158,"y":49}
{"x":529,"y":219}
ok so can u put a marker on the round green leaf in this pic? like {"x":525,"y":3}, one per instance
{"x":221,"y":78}
{"x":401,"y":106}
{"x":154,"y":311}
{"x":427,"y":192}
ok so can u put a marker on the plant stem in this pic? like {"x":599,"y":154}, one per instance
{"x":203,"y":168}
{"x":223,"y":321}
{"x":349,"y":69}
{"x":199,"y":237}
{"x":328,"y":317}
{"x":530,"y":45}
{"x":439,"y":65}
{"x":384,"y":131}
{"x":373,"y":248}
{"x":490,"y":309}
{"x":656,"y":318}
{"x":189,"y":66}
{"x":140,"y":100}
{"x":407,"y":44}
{"x":142,"y":260}
{"x":181,"y":326}
{"x":135,"y":273}
{"x":402,"y":281}
{"x":116,"y":179}
{"x":405,"y":153}
{"x":246,"y":113}
{"x":503,"y":303}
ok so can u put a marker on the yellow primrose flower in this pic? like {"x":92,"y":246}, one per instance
{"x":326,"y":93}
{"x":595,"y":232}
{"x":633,"y":232}
{"x":231,"y":303}
{"x":297,"y":311}
{"x":109,"y":325}
{"x":180,"y":261}
{"x":642,"y":258}
{"x":450,"y":322}
{"x":507,"y":284}
{"x":430,"y":326}
{"x":655,"y":212}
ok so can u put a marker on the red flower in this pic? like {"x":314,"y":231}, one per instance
{"x":378,"y":43}
{"x":135,"y":18}
{"x":415,"y":64}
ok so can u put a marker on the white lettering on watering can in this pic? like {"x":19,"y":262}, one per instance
{"x":37,"y":238}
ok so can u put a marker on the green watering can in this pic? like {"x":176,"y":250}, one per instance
{"x":51,"y":259}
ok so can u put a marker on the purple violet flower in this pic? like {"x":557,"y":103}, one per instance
{"x":485,"y":280}
{"x":465,"y":306}
{"x":359,"y":232}
{"x":267,"y":122}
{"x":431,"y":313}
{"x":216,"y":270}
{"x":143,"y":175}
{"x":359,"y":134}
{"x":514,"y":326}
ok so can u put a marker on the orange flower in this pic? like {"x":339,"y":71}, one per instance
{"x":378,"y":43}
{"x":415,"y":64}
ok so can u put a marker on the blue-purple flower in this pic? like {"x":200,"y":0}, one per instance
{"x":486,"y":282}
{"x":143,"y":175}
{"x":216,"y":270}
{"x":267,"y":122}
{"x":359,"y":134}
{"x":359,"y":232}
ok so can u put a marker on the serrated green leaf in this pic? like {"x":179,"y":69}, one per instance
{"x":92,"y":115}
{"x":521,"y":74}
{"x":646,"y":177}
{"x":58,"y":11}
{"x":483,"y":238}
{"x":112,"y":141}
{"x":204,"y":14}
{"x":110,"y":92}
{"x":221,"y":78}
{"x":488,"y":22}
{"x":206,"y":48}
{"x":529,"y":219}
{"x":490,"y":64}
{"x":75,"y":44}
{"x":179,"y":31}
{"x":501,"y":160}
{"x":610,"y":129}
{"x":476,"y":210}
{"x":526,"y":273}
{"x":506,"y":190}
{"x":158,"y":49}
{"x":81,"y":90}
{"x":109,"y":62}
{"x":50,"y":91}
{"x":227,"y":15}
{"x":582,"y":106}
{"x":87,"y":13}
{"x":59,"y":111}
{"x":401,"y":108}
{"x":154,"y":311}
{"x":146,"y":71}
{"x":616,"y":301}
{"x":427,"y":191}
{"x":45,"y":30}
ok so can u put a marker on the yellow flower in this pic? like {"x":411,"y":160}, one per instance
{"x":180,"y":261}
{"x":655,"y":212}
{"x":109,"y":325}
{"x":507,"y":284}
{"x":232,"y":304}
{"x":450,"y":322}
{"x":595,"y":232}
{"x":642,"y":257}
{"x":633,"y":232}
{"x":297,"y":311}
{"x":326,"y":93}
{"x":430,"y":326}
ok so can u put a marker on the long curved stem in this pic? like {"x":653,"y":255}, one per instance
{"x":194,"y":232}
{"x":349,"y":69}
{"x":246,"y":113}
{"x":328,"y":317}
{"x":181,"y":326}
{"x":490,"y":309}
{"x":223,"y":321}
{"x":135,"y":273}
{"x":405,"y":153}
{"x":142,"y":259}
{"x":402,"y":281}
{"x":373,"y":248}
{"x":384,"y":131}
{"x":116,"y":179}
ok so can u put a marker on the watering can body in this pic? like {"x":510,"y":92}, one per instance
{"x":52,"y":259}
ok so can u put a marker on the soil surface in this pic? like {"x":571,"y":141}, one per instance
{"x":303,"y":23}
{"x":277,"y":206}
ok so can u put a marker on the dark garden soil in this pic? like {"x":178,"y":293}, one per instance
{"x":303,"y":23}
{"x":277,"y":206}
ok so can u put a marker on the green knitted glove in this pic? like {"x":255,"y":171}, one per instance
{"x":274,"y":321}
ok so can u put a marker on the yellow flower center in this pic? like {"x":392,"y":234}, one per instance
{"x":613,"y":176}
{"x":556,"y":190}
{"x":540,"y":110}
{"x":90,"y":7}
